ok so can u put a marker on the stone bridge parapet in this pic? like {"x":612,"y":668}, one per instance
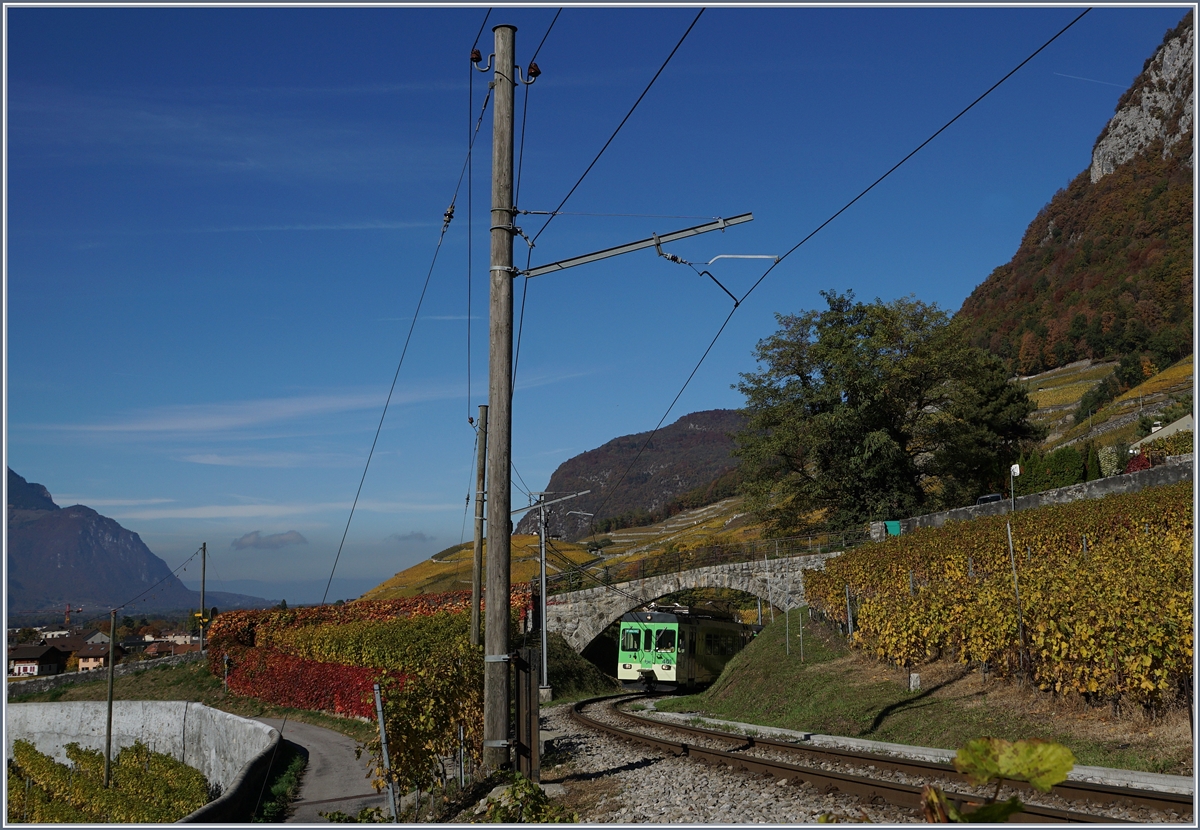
{"x":581,"y":616}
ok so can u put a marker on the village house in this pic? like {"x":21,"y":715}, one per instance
{"x":31,"y":661}
{"x":95,"y":656}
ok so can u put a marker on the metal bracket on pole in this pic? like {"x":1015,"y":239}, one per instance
{"x":497,"y":658}
{"x":503,"y":743}
{"x":653,"y":242}
{"x":547,"y":503}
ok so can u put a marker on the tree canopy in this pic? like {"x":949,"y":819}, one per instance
{"x":871,"y":411}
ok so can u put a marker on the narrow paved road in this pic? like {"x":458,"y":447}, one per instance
{"x":333,"y":779}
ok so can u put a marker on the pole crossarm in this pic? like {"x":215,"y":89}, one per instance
{"x":653,"y":241}
{"x":540,"y":503}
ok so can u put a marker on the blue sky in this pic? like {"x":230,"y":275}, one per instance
{"x":219,"y":222}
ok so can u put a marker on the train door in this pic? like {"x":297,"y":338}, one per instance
{"x":691,"y":658}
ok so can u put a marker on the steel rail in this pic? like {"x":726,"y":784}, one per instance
{"x":826,"y":781}
{"x":1068,"y":790}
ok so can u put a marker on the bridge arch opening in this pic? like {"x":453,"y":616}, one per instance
{"x":721,"y":603}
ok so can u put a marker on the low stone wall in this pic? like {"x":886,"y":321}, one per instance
{"x":233,"y":753}
{"x":1179,"y":468}
{"x":53,"y":681}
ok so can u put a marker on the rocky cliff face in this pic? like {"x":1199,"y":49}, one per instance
{"x":73,"y":554}
{"x":1158,"y":107}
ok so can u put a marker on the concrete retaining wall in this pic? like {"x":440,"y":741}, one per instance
{"x":233,"y":753}
{"x":1176,"y":469}
{"x":53,"y":681}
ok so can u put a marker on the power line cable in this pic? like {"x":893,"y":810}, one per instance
{"x":557,"y":210}
{"x":446,"y":219}
{"x":516,"y":201}
{"x":791,"y":250}
{"x":619,"y":126}
{"x":174,"y":573}
{"x":463,"y":535}
{"x":481,"y":25}
{"x":919,"y":147}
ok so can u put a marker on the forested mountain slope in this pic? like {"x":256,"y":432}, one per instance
{"x":1105,"y":269}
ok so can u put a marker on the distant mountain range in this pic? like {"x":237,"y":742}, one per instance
{"x":689,"y":454}
{"x":74,"y":555}
{"x":1105,"y":269}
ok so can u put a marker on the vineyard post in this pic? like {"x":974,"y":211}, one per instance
{"x":849,"y":615}
{"x":1017,"y":591}
{"x":462,"y":760}
{"x":387,"y":766}
{"x":912,"y":588}
{"x":770,"y":593}
{"x":112,"y":655}
{"x":787,"y":616}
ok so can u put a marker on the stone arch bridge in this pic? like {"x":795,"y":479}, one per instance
{"x":581,"y":616}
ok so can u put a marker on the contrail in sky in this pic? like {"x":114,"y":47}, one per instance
{"x":1093,"y":80}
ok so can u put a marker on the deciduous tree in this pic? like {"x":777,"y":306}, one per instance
{"x":874,"y":411}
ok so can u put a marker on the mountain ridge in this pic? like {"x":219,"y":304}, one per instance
{"x":652,"y":469}
{"x":74,"y":555}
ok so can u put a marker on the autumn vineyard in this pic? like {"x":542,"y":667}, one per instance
{"x":1095,"y":598}
{"x":148,"y":787}
{"x":328,"y":658}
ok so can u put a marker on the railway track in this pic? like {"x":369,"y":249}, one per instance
{"x":876,"y":778}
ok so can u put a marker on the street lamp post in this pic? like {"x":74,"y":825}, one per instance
{"x":542,"y":504}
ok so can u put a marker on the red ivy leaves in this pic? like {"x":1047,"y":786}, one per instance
{"x":287,"y":680}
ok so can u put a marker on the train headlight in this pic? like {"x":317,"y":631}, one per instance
{"x":627,"y":665}
{"x":667,"y":667}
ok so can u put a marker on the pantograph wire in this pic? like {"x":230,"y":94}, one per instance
{"x":791,"y":250}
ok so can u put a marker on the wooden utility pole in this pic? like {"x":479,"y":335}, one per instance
{"x":203,"y":612}
{"x":112,"y":662}
{"x":477,"y":565}
{"x":499,"y":525}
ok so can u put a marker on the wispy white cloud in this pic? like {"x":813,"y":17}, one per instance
{"x":429,"y":317}
{"x":68,"y":498}
{"x":274,"y":511}
{"x":52,"y":125}
{"x":273,"y":459}
{"x":214,"y":418}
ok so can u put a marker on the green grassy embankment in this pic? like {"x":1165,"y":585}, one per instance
{"x":835,"y":691}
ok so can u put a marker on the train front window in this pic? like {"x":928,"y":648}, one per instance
{"x":666,"y":640}
{"x":631,"y":639}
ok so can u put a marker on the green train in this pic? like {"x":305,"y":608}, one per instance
{"x":676,"y":649}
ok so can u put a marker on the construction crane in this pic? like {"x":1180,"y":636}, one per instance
{"x":67,"y":616}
